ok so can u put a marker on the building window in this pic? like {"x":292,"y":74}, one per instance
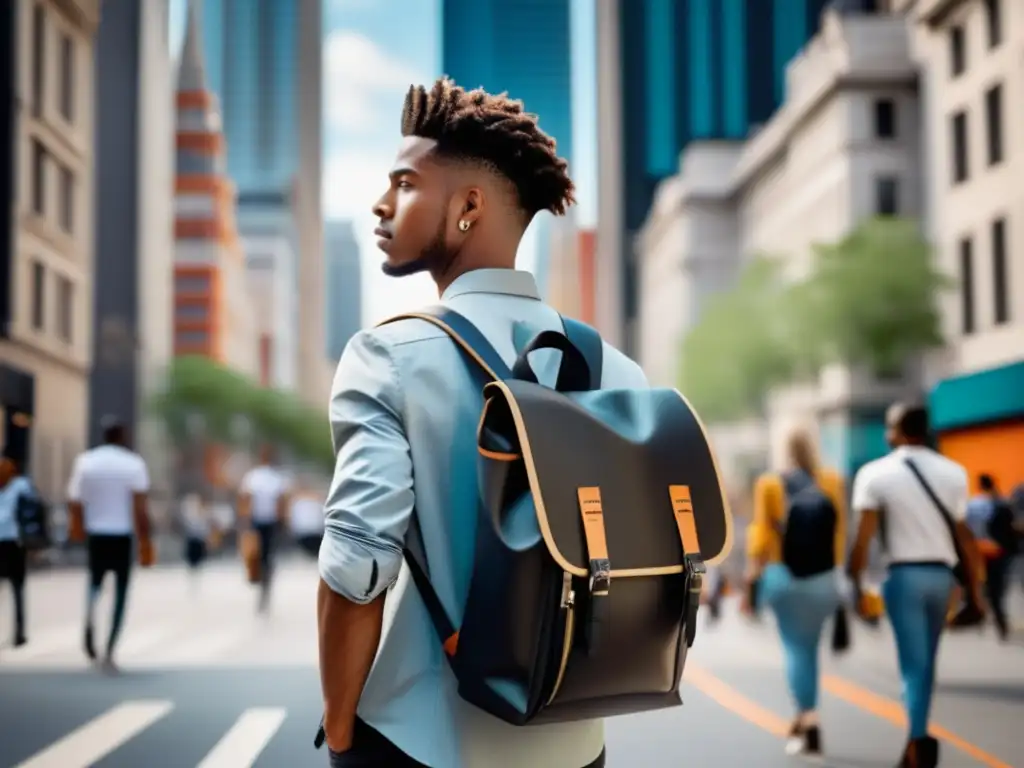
{"x":67,"y":199}
{"x":38,"y":177}
{"x":994,"y":123}
{"x":191,"y":284}
{"x":887,"y":195}
{"x":957,"y":51}
{"x":967,"y":285}
{"x":65,"y":308}
{"x":192,"y":312}
{"x":38,"y":59}
{"x":38,"y":295}
{"x":67,"y":78}
{"x":192,"y":338}
{"x":885,"y":119}
{"x":961,"y":167}
{"x":994,"y":22}
{"x":1000,"y":272}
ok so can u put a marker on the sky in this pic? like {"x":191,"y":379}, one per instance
{"x":370,"y":59}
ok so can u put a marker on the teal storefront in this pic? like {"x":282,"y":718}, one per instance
{"x":979,"y":421}
{"x":852,"y":440}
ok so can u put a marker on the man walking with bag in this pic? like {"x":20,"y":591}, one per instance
{"x":470,"y":175}
{"x":917,"y":500}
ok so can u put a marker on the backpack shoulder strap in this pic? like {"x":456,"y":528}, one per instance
{"x":465,"y":334}
{"x":588,"y":341}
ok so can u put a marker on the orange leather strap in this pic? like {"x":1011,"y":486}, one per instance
{"x":682,"y":508}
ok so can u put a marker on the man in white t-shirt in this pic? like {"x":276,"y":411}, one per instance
{"x":306,"y":517}
{"x":906,"y":496}
{"x":108,"y":501}
{"x":263,"y":504}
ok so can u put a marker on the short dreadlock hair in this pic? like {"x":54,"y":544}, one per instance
{"x":496,"y":131}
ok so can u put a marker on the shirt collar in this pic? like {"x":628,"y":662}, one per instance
{"x":511,"y":282}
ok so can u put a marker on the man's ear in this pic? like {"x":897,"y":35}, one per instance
{"x":472,"y":206}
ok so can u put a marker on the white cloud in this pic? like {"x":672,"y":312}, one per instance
{"x":359,"y":77}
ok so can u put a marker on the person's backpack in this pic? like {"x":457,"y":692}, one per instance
{"x":598,"y":510}
{"x":1001,"y":529}
{"x":809,"y":530}
{"x":33,"y":518}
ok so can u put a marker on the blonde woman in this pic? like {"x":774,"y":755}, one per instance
{"x":795,"y":543}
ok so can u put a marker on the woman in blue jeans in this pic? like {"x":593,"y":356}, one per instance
{"x":802,"y":602}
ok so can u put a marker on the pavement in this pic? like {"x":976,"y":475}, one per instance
{"x":206,"y":683}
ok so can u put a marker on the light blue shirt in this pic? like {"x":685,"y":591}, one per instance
{"x":9,"y":496}
{"x":979,"y":512}
{"x":404,"y":411}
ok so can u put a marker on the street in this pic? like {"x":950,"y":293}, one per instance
{"x":206,"y":683}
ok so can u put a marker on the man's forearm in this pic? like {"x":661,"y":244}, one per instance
{"x":349,"y":635}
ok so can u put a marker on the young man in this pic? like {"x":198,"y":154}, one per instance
{"x":471,"y":172}
{"x":108,"y":500}
{"x":920,"y":554}
{"x":263,"y":504}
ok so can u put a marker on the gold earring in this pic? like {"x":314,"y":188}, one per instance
{"x":464,"y":225}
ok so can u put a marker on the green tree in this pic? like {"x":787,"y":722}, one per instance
{"x":871,"y":297}
{"x":203,"y":401}
{"x":746,"y":342}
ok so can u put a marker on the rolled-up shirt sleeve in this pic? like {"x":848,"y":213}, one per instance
{"x":370,"y":503}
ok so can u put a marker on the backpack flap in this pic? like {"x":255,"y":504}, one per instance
{"x":639,"y":448}
{"x":618,"y":490}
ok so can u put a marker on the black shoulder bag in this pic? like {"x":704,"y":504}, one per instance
{"x":970,"y":615}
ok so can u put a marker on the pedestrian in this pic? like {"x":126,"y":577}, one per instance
{"x":108,"y":500}
{"x":471,"y":172}
{"x":917,"y":500}
{"x":13,"y":557}
{"x":990,"y":518}
{"x":195,"y":518}
{"x":795,"y":543}
{"x":262,"y":508}
{"x":306,"y":518}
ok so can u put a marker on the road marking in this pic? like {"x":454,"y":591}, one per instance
{"x":890,"y":710}
{"x":734,"y":701}
{"x":247,"y":738}
{"x":203,"y":648}
{"x":89,"y":744}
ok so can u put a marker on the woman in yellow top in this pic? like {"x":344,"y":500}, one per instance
{"x":795,"y":571}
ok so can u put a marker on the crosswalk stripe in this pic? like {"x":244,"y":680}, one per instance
{"x":90,"y":743}
{"x":247,"y":738}
{"x":203,"y":647}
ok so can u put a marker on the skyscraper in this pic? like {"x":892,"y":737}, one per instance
{"x":213,"y":314}
{"x":134,"y":230}
{"x":264,"y":60}
{"x":670,"y":72}
{"x":344,"y":286}
{"x":522,"y":47}
{"x":47,"y":82}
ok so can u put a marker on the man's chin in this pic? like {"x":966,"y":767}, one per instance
{"x":403,"y":269}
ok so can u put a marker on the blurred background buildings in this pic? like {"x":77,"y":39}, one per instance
{"x":166,"y":197}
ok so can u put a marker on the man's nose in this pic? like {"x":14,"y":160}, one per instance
{"x":382,"y":210}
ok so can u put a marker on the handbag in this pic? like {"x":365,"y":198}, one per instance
{"x":840,"y":631}
{"x":250,"y":546}
{"x":969,"y":615}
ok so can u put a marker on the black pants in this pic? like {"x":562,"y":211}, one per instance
{"x":109,"y":554}
{"x":371,"y":749}
{"x":996,"y":583}
{"x":268,"y":538}
{"x":12,"y":569}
